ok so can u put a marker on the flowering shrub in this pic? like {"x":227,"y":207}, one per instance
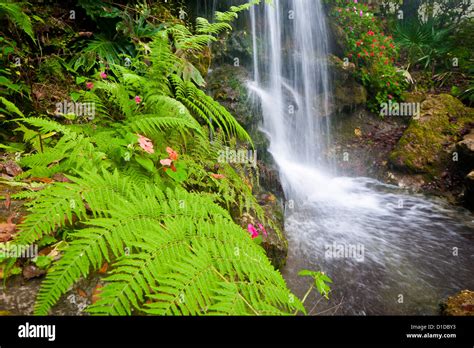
{"x":372,"y":51}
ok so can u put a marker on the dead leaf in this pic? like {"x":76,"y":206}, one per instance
{"x":7,"y":230}
{"x":60,"y":178}
{"x":96,"y":293}
{"x":358,"y":132}
{"x":12,"y":168}
{"x":104,"y":267}
{"x":8,"y":201}
{"x":85,"y":33}
{"x":82,"y":293}
{"x":43,"y":180}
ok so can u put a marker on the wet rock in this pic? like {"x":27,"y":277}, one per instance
{"x":461,"y":304}
{"x":274,"y":242}
{"x":469,"y":192}
{"x":466,"y":151}
{"x":348,"y":93}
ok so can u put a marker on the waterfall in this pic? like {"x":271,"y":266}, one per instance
{"x":291,"y":80}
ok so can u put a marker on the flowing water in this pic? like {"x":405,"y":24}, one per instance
{"x":388,"y":252}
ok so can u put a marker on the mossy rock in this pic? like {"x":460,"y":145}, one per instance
{"x":428,"y":143}
{"x":461,"y":304}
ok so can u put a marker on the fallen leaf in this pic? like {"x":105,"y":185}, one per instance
{"x":7,"y":230}
{"x":82,"y":293}
{"x":358,"y":132}
{"x":12,"y":168}
{"x":60,"y":178}
{"x":103,"y":269}
{"x":96,"y":293}
{"x":43,"y":180}
{"x":8,"y":201}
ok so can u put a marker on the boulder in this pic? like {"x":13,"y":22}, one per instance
{"x":348,"y":93}
{"x":428,"y":144}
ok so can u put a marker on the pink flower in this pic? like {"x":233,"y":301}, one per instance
{"x":355,"y":1}
{"x":166,"y":162}
{"x":145,"y":144}
{"x":361,"y":13}
{"x":103,"y":75}
{"x":138,"y":100}
{"x":261,"y":228}
{"x":253,"y":231}
{"x":89,"y":85}
{"x":390,"y":96}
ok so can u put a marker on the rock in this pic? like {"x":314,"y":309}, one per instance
{"x":469,"y":191}
{"x":31,"y":271}
{"x":274,"y":243}
{"x":461,"y":304}
{"x":466,"y":151}
{"x":348,"y":93}
{"x":427,"y":145}
{"x":339,"y":37}
{"x":236,"y":45}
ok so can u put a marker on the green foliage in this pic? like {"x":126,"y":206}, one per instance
{"x":15,"y":14}
{"x":424,"y":42}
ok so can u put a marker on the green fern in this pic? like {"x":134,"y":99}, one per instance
{"x":15,"y":13}
{"x":172,"y":238}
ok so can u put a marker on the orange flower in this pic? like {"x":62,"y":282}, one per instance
{"x":172,"y":153}
{"x":218,"y":176}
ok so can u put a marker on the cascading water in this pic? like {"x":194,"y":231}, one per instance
{"x":408,"y":251}
{"x":291,"y":79}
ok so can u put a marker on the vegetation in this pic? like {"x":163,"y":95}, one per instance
{"x":122,"y":173}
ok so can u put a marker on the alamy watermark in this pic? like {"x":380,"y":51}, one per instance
{"x":400,"y":109}
{"x":18,"y":251}
{"x":78,"y":109}
{"x":242,"y":156}
{"x":342,"y":250}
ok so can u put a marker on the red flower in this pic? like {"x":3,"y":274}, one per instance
{"x":371,"y":54}
{"x":358,"y":55}
{"x":370,"y":33}
{"x":89,"y":85}
{"x":382,"y":47}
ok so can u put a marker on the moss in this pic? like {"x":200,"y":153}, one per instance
{"x":425,"y":146}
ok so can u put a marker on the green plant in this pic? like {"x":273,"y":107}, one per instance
{"x":424,"y":42}
{"x":163,"y":224}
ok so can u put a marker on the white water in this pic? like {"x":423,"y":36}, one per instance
{"x":409,"y":241}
